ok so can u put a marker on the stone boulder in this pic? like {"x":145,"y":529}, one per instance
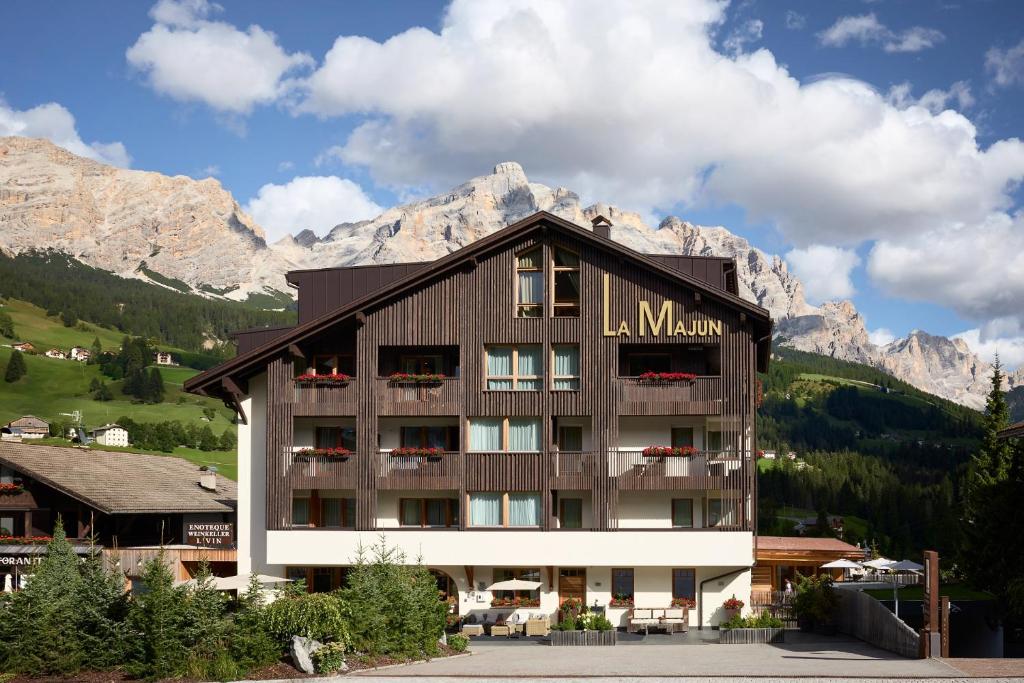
{"x":302,"y":653}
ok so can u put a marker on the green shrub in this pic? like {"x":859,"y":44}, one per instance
{"x":592,"y":621}
{"x":815,"y":598}
{"x":566,"y":625}
{"x":330,"y":658}
{"x":764,"y":620}
{"x":458,"y":642}
{"x":313,"y":615}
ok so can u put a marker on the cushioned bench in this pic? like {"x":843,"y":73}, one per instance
{"x":672,"y":619}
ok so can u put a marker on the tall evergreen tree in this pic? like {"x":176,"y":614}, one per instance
{"x":154,"y":392}
{"x":6,"y":325}
{"x":95,"y":351}
{"x":16,"y":368}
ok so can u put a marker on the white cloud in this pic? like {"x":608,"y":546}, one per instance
{"x":316,"y":203}
{"x":825,"y":271}
{"x":866,"y":29}
{"x":746,"y":33}
{"x":985,"y":343}
{"x":1006,"y":66}
{"x":210,"y":171}
{"x":331,"y":154}
{"x":795,"y":21}
{"x":192,"y":59}
{"x":935,"y":100}
{"x":285,"y":166}
{"x":881,"y":336}
{"x":56,"y":124}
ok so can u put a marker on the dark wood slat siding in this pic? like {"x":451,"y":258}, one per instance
{"x":324,"y":290}
{"x":474,"y":307}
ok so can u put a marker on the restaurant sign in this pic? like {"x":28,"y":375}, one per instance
{"x":209,"y":534}
{"x":20,"y":560}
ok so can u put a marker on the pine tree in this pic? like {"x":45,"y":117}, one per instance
{"x":154,"y":392}
{"x":156,"y":621}
{"x":102,"y":608}
{"x":207,"y":440}
{"x":228,"y":440}
{"x":6,"y":325}
{"x":95,"y":351}
{"x":16,"y":368}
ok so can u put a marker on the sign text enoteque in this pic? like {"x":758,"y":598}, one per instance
{"x":209,"y":533}
{"x":665,"y":322}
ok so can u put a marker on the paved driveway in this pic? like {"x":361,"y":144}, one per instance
{"x":828,"y":658}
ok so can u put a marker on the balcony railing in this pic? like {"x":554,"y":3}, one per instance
{"x":418,"y":398}
{"x":575,"y":470}
{"x":701,"y":396}
{"x":705,"y":470}
{"x":441,"y":471}
{"x":504,"y":471}
{"x":320,"y":471}
{"x":326,"y":399}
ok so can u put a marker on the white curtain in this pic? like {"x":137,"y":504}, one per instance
{"x":529,"y":364}
{"x":531,"y":287}
{"x":567,"y":367}
{"x":523,"y":434}
{"x":523,"y":509}
{"x":485,"y":509}
{"x":499,"y":364}
{"x":485,"y":434}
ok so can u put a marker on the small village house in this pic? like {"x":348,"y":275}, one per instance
{"x":26,"y":427}
{"x":56,"y":353}
{"x":163,"y":358}
{"x":24,"y":347}
{"x":110,"y":435}
{"x":79,"y":353}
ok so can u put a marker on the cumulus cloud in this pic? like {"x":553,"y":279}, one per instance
{"x":881,"y":336}
{"x":795,"y":21}
{"x":935,"y":100}
{"x":1006,"y":66}
{"x":316,"y":203}
{"x":825,"y":271}
{"x":56,"y":124}
{"x":987,"y":344}
{"x":866,"y":30}
{"x":190,"y":58}
{"x":747,"y":33}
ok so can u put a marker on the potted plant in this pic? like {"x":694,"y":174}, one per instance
{"x":732,"y":607}
{"x":685,"y":603}
{"x":585,"y":628}
{"x":11,"y":489}
{"x":429,"y":452}
{"x":415,"y":378}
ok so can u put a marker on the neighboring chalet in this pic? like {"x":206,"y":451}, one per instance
{"x":110,"y":435}
{"x":782,"y":557}
{"x":130,"y":503}
{"x":79,"y":353}
{"x":56,"y":353}
{"x":1014,"y":431}
{"x":543,"y":404}
{"x":26,"y":427}
{"x":163,"y":358}
{"x":24,"y":347}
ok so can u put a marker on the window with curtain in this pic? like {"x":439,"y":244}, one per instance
{"x":517,"y":368}
{"x":530,"y":284}
{"x":523,"y":509}
{"x":622,"y":584}
{"x":336,"y":437}
{"x":429,"y":512}
{"x":566,"y":269}
{"x":682,"y":513}
{"x":566,"y":371}
{"x":300,"y":511}
{"x":684,"y":583}
{"x":523,"y":434}
{"x":485,"y":509}
{"x":485,"y":434}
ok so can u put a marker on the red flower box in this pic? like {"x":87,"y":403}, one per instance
{"x":411,"y":450}
{"x":515,"y":602}
{"x":338,"y":453}
{"x":11,"y":489}
{"x":413,"y":378}
{"x":25,"y":540}
{"x":310,"y":378}
{"x":668,"y":376}
{"x":686,"y":603}
{"x":621,"y":602}
{"x":669,"y":451}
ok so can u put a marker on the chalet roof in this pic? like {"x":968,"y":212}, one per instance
{"x":210,"y":381}
{"x":105,"y":428}
{"x":1014,"y":430}
{"x":29,"y":421}
{"x":805,"y":543}
{"x":119,"y":483}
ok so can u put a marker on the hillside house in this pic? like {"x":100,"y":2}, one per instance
{"x":56,"y":353}
{"x":24,"y":347}
{"x":26,"y":427}
{"x":110,"y":435}
{"x":163,"y":358}
{"x":79,"y":353}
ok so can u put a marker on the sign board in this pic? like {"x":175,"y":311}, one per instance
{"x":209,"y":534}
{"x":20,"y":560}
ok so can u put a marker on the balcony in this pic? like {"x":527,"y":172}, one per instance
{"x":575,"y":470}
{"x":707,"y":470}
{"x":320,"y":471}
{"x":428,"y":472}
{"x":701,"y":396}
{"x":312,"y":400}
{"x":439,"y":397}
{"x":504,"y":471}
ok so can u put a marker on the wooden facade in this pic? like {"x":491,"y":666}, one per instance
{"x":467,"y":302}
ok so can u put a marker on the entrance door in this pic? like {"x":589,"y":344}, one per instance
{"x":572,"y":583}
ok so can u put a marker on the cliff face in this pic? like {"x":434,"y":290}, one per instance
{"x":195,"y":232}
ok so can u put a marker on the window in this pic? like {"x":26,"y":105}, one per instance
{"x":429,"y":512}
{"x":570,"y":438}
{"x":423,"y":364}
{"x":566,"y":368}
{"x":504,"y":509}
{"x":510,"y":434}
{"x":444,"y":437}
{"x":682,"y":513}
{"x":684,"y":584}
{"x":523,"y":574}
{"x":639,"y":363}
{"x":338,"y":512}
{"x":682,"y":436}
{"x":622,"y":584}
{"x":300,"y":511}
{"x":570,"y":513}
{"x":334,"y":364}
{"x":514,"y":368}
{"x":529,"y":284}
{"x":714,"y":511}
{"x":567,"y":284}
{"x":336,"y":437}
{"x":714,"y":441}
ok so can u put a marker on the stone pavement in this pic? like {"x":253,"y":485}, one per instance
{"x":807,"y":658}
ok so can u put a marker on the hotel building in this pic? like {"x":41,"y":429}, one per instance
{"x":543,"y":404}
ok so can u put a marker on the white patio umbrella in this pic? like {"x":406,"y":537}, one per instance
{"x":238,"y":581}
{"x":880,"y":563}
{"x":901,"y":566}
{"x":514,"y":585}
{"x":841,"y":564}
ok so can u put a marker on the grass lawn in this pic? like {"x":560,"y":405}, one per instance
{"x":32,"y":324}
{"x":815,"y":377}
{"x":955,"y":591}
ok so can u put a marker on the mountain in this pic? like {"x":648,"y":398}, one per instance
{"x":189,"y":234}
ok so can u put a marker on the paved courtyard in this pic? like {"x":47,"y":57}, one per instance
{"x":804,"y":657}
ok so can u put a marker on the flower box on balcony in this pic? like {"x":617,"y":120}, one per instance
{"x":25,"y":540}
{"x":515,"y":602}
{"x":413,"y":378}
{"x":324,"y":380}
{"x":669,"y":451}
{"x":416,"y":451}
{"x":685,"y":603}
{"x":667,"y":376}
{"x":11,"y":489}
{"x":329,"y":453}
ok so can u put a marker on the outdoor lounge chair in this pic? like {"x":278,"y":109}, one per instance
{"x":538,"y":625}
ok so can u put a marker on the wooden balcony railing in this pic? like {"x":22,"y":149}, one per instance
{"x":575,"y":470}
{"x":442,"y":471}
{"x":706,"y":470}
{"x":504,"y":471}
{"x":325,"y":399}
{"x":319,"y":471}
{"x":702,"y":396}
{"x":410,"y":398}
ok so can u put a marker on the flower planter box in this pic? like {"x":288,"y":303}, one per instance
{"x":582,"y":638}
{"x":746,"y":636}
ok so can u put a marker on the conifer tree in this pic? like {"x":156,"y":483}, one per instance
{"x":16,"y":368}
{"x":156,"y":620}
{"x":95,"y":351}
{"x":154,"y":392}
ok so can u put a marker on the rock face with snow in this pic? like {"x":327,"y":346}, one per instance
{"x":129,"y":222}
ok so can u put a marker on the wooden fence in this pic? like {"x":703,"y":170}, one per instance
{"x":776,"y":603}
{"x":861,"y":616}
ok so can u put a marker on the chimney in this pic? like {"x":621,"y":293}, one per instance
{"x":602,"y":227}
{"x":208,"y":478}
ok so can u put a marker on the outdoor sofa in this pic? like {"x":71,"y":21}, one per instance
{"x":671,"y":619}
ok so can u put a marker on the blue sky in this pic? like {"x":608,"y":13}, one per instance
{"x":620,"y":104}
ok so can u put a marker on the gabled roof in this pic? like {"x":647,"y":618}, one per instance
{"x":115,"y":482}
{"x":209,"y":382}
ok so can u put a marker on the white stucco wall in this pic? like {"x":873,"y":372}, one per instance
{"x":388,"y":504}
{"x":636,"y":432}
{"x":653,"y":509}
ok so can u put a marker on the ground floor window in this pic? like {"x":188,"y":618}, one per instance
{"x":622,"y":585}
{"x":523,"y":574}
{"x":319,"y":579}
{"x":684,"y":585}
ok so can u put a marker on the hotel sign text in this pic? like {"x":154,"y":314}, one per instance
{"x":664,"y":322}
